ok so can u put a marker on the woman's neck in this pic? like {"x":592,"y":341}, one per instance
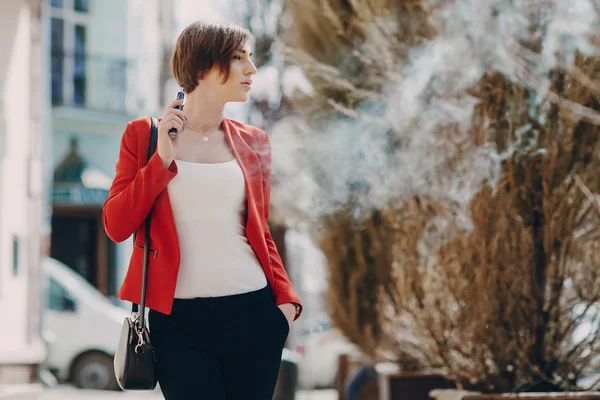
{"x":203,"y":114}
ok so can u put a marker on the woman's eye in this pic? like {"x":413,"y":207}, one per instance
{"x":237,"y":57}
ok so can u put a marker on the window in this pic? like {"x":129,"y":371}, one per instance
{"x":69,"y":48}
{"x":81,"y":6}
{"x":58,"y":298}
{"x":57,"y":75}
{"x":79,"y":66}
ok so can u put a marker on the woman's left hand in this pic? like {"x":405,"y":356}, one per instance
{"x":289,"y":311}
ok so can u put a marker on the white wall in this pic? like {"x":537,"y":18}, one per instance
{"x":18,"y":343}
{"x":144,"y":46}
{"x":109,"y":27}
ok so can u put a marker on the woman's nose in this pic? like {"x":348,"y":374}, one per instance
{"x":250,"y":68}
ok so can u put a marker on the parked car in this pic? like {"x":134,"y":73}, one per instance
{"x":81,"y":328}
{"x":320,"y":346}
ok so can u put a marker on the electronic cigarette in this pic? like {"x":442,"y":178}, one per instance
{"x":180,"y":96}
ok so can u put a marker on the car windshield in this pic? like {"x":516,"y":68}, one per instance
{"x":72,"y":280}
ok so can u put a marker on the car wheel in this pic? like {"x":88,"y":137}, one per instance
{"x":95,"y":371}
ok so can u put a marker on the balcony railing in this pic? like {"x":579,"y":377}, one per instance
{"x":93,"y":82}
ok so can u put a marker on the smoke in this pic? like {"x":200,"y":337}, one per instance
{"x":415,"y":138}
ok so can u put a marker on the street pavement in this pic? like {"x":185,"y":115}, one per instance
{"x":70,"y":393}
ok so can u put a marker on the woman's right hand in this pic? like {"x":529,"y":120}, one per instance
{"x":167,"y":146}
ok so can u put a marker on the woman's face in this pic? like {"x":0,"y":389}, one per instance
{"x":239,"y":83}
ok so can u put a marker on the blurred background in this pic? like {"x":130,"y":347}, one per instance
{"x":436,"y":171}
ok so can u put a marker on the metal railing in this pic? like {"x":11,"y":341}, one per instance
{"x":90,"y":81}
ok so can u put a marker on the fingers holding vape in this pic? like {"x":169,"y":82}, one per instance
{"x":169,"y":131}
{"x":171,"y":122}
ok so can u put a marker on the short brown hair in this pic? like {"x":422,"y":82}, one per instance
{"x":204,"y":45}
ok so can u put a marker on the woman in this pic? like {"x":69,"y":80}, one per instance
{"x":221,"y":304}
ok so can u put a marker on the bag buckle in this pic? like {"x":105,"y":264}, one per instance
{"x":141,"y":341}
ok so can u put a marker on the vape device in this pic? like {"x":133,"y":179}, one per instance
{"x":180,"y":96}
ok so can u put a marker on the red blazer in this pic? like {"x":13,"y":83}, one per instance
{"x":139,"y":185}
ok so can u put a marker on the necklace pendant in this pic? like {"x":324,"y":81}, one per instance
{"x":205,"y":138}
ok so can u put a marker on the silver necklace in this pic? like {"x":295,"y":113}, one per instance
{"x":205,"y":137}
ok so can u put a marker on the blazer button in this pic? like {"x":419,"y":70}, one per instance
{"x":270,"y":260}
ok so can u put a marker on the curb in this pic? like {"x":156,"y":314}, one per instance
{"x":20,"y":392}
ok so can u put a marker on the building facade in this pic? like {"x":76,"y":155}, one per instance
{"x":23,"y":136}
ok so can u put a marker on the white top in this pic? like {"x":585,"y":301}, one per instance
{"x":216,"y":258}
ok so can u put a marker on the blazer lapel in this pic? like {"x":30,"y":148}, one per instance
{"x":250,"y":163}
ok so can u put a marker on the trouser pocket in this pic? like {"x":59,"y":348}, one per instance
{"x":281,"y":320}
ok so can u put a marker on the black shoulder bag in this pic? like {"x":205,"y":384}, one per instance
{"x":134,"y":357}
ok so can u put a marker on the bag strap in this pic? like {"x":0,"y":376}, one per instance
{"x":134,"y":307}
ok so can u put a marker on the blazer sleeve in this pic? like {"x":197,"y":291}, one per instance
{"x":283,"y":290}
{"x":134,"y":190}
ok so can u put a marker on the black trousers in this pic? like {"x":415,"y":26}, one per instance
{"x":219,"y":348}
